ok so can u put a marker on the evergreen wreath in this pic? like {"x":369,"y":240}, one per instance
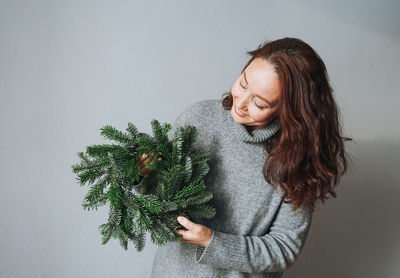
{"x":140,"y":204}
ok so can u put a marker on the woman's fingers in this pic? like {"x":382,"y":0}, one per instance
{"x":144,"y":156}
{"x":196,"y":233}
{"x":188,"y":224}
{"x":143,"y":159}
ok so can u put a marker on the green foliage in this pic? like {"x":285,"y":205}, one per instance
{"x":139,"y":204}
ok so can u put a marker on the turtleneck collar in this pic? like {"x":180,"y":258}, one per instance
{"x":254,"y":136}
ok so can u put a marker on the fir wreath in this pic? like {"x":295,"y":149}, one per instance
{"x":152,"y":203}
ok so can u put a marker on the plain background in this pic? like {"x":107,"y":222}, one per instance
{"x":68,"y":68}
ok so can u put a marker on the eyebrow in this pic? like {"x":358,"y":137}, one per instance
{"x":269,"y":103}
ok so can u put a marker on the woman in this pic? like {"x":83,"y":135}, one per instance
{"x":276,"y":148}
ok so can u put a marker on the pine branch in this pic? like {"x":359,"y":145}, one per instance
{"x":132,"y":132}
{"x":190,"y":190}
{"x":101,"y":150}
{"x":111,"y":133}
{"x":96,"y":196}
{"x":204,"y":211}
{"x":198,"y":199}
{"x":174,"y":186}
{"x":189,"y":136}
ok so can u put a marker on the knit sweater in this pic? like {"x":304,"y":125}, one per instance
{"x":255,"y":234}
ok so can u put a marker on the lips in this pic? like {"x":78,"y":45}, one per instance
{"x":238,"y":112}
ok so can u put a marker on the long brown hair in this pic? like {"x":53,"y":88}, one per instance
{"x":307,"y":156}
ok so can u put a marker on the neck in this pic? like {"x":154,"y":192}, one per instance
{"x":250,"y":128}
{"x":251,"y":134}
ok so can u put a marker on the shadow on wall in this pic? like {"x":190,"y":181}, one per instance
{"x":357,"y":233}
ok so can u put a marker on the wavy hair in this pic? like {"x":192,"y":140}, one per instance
{"x":307,"y":156}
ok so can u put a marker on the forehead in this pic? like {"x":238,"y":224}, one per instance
{"x":262,"y":79}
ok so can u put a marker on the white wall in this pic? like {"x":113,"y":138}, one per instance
{"x":69,"y":67}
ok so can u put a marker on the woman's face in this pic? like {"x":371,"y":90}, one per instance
{"x":255,"y":95}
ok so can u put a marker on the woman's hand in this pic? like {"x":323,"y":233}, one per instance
{"x":196,"y":233}
{"x":142,"y":160}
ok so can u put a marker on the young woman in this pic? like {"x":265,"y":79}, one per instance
{"x":276,"y":149}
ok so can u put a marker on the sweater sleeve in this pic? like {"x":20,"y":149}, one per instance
{"x":272,"y":252}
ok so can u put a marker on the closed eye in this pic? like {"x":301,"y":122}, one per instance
{"x":258,"y":106}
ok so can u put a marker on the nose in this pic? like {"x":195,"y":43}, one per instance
{"x":242,"y":102}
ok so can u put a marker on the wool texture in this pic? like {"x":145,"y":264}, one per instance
{"x":255,"y":234}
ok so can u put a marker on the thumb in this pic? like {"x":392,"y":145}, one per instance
{"x":186,"y":223}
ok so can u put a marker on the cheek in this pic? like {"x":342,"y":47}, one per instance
{"x":258,"y":115}
{"x":235,"y":93}
{"x":235,"y":90}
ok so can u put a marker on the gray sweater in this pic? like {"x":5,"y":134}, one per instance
{"x":255,"y":234}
